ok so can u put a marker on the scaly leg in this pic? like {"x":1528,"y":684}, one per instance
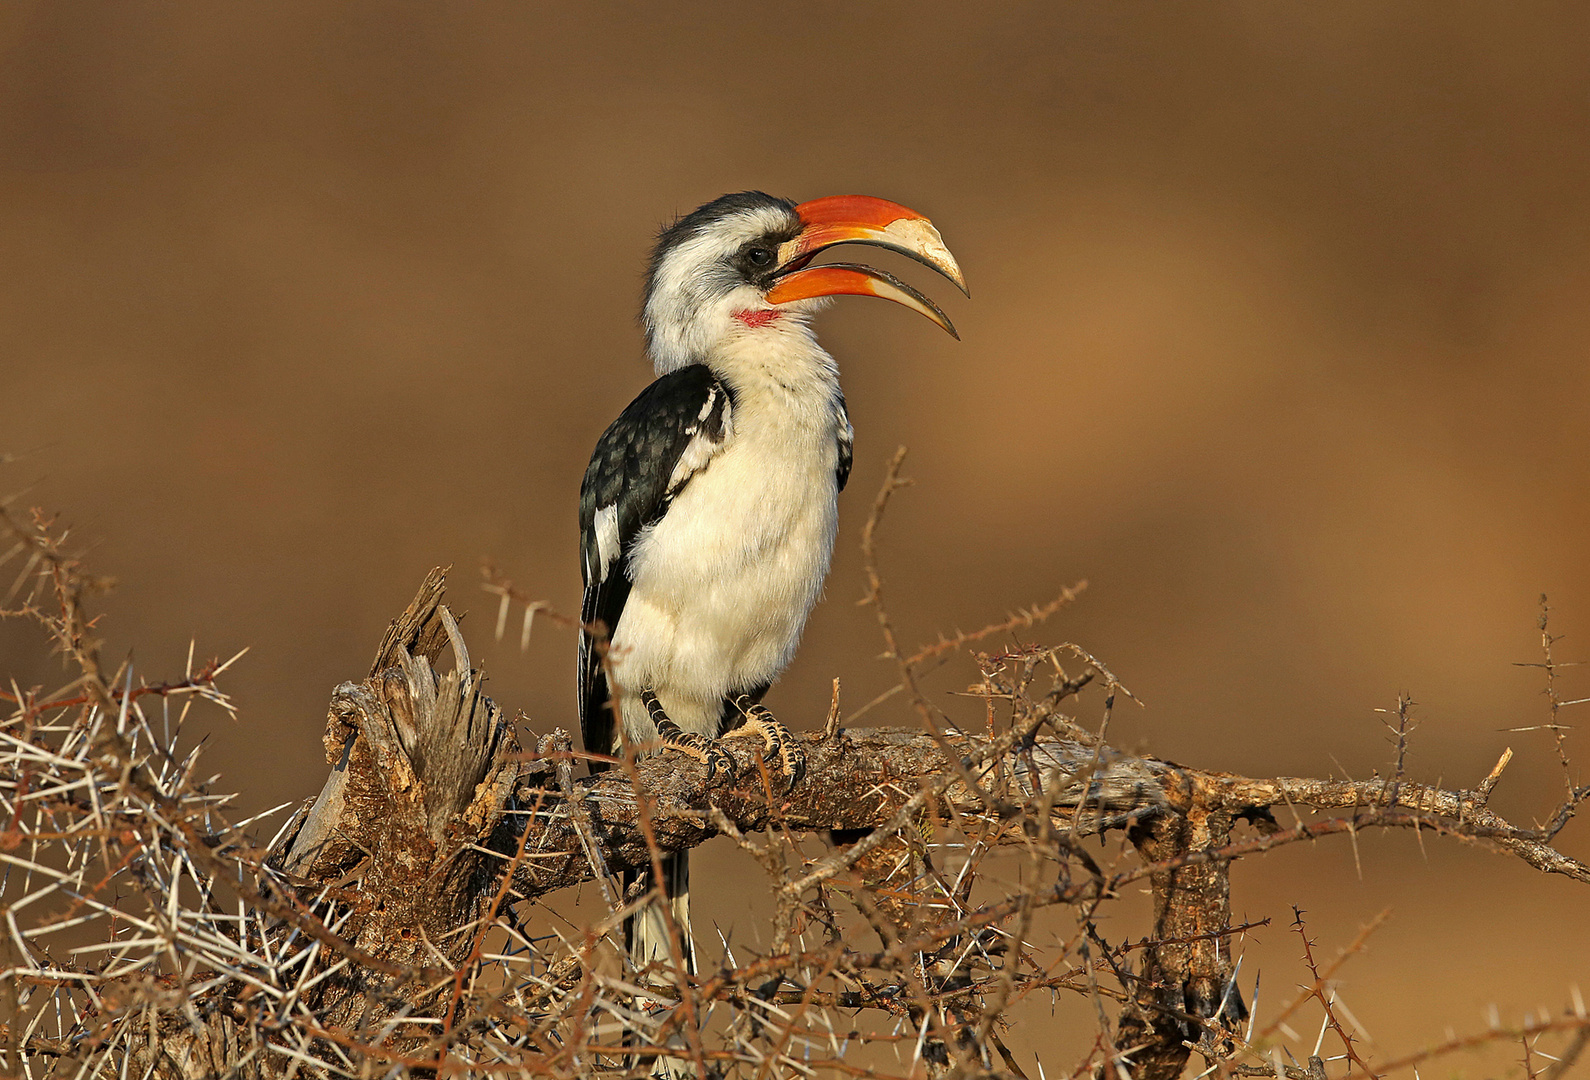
{"x":676,"y":738}
{"x":779,"y":744}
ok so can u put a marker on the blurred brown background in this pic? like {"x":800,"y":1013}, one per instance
{"x":1279,"y":337}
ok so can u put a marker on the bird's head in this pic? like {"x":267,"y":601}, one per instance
{"x":743,"y":263}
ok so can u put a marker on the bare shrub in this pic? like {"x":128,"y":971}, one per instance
{"x":928,"y":883}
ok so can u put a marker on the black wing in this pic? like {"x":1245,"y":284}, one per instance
{"x":847,"y":442}
{"x":666,"y":435}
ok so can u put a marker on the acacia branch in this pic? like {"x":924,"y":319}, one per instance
{"x":1039,"y":780}
{"x":382,"y":902}
{"x":862,"y":779}
{"x":858,"y":780}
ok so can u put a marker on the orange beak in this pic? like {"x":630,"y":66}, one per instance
{"x":860,"y":219}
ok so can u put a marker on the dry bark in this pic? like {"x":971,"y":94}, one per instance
{"x":432,"y":819}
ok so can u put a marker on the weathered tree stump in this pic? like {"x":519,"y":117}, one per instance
{"x":422,"y":773}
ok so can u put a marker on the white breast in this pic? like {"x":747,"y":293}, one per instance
{"x":722,"y":585}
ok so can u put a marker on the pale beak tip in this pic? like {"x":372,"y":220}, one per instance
{"x":920,"y":239}
{"x":945,"y":264}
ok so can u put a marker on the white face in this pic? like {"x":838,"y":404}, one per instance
{"x":701,"y":282}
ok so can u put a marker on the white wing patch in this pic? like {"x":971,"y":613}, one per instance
{"x":607,"y":545}
{"x":703,"y":445}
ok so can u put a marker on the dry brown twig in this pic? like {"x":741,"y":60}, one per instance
{"x":393,"y":926}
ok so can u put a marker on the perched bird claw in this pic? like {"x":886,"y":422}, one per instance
{"x":716,"y":758}
{"x":780,"y":749}
{"x":719,"y":761}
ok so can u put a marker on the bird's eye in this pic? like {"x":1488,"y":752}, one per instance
{"x":760,"y":257}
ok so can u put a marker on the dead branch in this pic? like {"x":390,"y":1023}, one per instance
{"x":381,"y":931}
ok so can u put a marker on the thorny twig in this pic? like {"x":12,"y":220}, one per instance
{"x":110,"y":841}
{"x":1321,"y":992}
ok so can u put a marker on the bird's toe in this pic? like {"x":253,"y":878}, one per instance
{"x":780,"y":749}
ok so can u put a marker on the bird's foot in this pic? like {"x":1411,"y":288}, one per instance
{"x":779,"y":745}
{"x":676,"y":738}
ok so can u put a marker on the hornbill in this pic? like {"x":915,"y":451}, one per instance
{"x":708,"y":511}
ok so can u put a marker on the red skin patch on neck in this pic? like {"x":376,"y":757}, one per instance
{"x":755,"y":320}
